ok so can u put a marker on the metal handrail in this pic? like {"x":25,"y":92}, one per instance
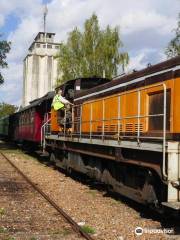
{"x":164,"y":131}
{"x":43,"y":133}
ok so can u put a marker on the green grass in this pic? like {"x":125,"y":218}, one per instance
{"x":10,"y":238}
{"x":115,"y":202}
{"x":2,"y":211}
{"x":88,"y":229}
{"x":63,"y":232}
{"x":15,"y":151}
{"x":3,"y":230}
{"x":33,"y":238}
{"x":66,"y":232}
{"x":93,"y":193}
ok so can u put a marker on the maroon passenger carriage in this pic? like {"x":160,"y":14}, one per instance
{"x":27,"y":123}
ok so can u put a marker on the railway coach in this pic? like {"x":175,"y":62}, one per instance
{"x":29,"y":120}
{"x":4,"y":127}
{"x":126,"y":134}
{"x":25,"y":125}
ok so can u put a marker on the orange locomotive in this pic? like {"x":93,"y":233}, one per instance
{"x":135,"y":103}
{"x":126,"y":133}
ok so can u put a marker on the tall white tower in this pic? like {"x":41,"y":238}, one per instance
{"x":40,"y":66}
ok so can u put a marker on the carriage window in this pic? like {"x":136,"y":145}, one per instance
{"x":156,"y":106}
{"x":24,"y":118}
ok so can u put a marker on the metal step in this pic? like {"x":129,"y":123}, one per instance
{"x":42,"y":154}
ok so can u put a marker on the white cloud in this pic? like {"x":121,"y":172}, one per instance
{"x":11,"y":91}
{"x":140,"y":20}
{"x":22,"y":37}
{"x":136,"y":62}
{"x":1,"y":20}
{"x":145,"y":28}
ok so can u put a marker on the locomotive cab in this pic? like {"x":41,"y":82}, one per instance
{"x":61,"y":120}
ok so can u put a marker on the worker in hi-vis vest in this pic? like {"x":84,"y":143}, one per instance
{"x":59,"y":104}
{"x":59,"y":101}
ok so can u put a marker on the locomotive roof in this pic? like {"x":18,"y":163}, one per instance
{"x":132,"y":78}
{"x":81,"y":78}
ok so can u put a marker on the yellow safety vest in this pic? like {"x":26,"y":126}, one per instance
{"x":57,"y":104}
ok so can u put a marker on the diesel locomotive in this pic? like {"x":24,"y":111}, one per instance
{"x":124,"y":132}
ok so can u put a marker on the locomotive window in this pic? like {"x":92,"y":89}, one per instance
{"x":156,"y":106}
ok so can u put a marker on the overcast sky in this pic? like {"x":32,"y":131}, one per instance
{"x":145,"y":26}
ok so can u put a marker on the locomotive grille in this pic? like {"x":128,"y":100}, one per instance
{"x":113,"y":128}
{"x":140,"y":127}
{"x":110,"y":128}
{"x":133,"y":128}
{"x":129,"y":127}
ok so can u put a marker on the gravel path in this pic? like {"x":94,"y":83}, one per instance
{"x":111,"y":218}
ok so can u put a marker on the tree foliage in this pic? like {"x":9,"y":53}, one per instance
{"x":6,"y":109}
{"x":173,"y":48}
{"x":92,"y":52}
{"x":4,"y":49}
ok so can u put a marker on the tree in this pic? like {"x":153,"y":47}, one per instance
{"x":6,"y":109}
{"x":173,"y":48}
{"x":92,"y":52}
{"x":4,"y":49}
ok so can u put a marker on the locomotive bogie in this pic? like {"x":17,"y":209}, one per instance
{"x":135,"y":174}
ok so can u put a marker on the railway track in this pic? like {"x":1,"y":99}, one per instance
{"x":61,"y":212}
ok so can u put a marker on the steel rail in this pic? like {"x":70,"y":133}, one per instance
{"x":74,"y":225}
